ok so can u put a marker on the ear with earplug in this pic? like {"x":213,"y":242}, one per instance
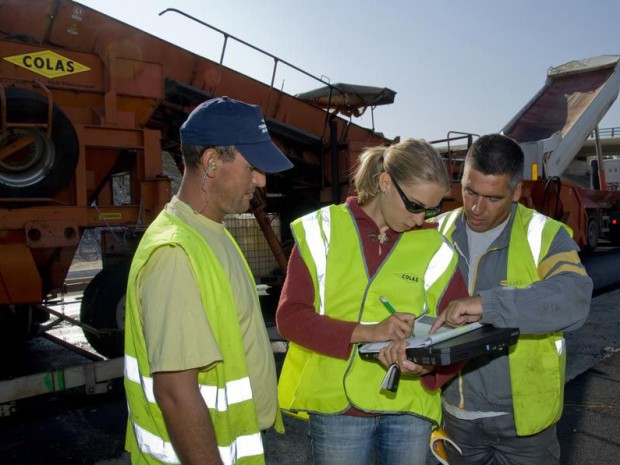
{"x":211,"y":167}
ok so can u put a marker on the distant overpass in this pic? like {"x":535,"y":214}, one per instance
{"x":610,"y":143}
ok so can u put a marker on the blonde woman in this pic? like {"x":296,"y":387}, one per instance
{"x":345,"y":258}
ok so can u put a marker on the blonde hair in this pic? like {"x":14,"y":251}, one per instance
{"x":409,"y":161}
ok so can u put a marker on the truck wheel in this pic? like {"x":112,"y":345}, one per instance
{"x":593,"y":235}
{"x":103,"y":308}
{"x":45,"y":164}
{"x":614,"y":227}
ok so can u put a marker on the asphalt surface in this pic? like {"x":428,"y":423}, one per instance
{"x":74,"y":428}
{"x":589,"y":430}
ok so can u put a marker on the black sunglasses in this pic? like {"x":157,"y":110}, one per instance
{"x":415,"y":207}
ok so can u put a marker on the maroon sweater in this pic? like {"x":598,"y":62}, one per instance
{"x":296,"y":318}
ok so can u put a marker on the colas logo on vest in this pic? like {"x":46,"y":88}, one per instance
{"x":515,"y":284}
{"x":47,"y":63}
{"x":408,"y":277}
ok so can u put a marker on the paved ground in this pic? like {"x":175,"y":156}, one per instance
{"x":589,"y":431}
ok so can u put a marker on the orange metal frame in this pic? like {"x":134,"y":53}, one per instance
{"x":110,"y":106}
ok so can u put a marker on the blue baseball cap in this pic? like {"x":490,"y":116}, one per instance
{"x":224,"y":121}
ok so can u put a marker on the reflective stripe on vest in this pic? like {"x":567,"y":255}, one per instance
{"x":235,"y":391}
{"x":446,"y":221}
{"x":317,"y":226}
{"x":155,"y":446}
{"x":438,"y":265}
{"x":537,"y":361}
{"x":534,"y":230}
{"x":243,"y":446}
{"x":534,"y":235}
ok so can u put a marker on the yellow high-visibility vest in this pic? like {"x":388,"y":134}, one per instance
{"x":413,"y":277}
{"x":225,"y":388}
{"x":537,"y":361}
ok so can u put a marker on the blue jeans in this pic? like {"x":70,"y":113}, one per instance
{"x":348,"y":440}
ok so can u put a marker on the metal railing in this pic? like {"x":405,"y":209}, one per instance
{"x":275,"y":59}
{"x":607,"y":132}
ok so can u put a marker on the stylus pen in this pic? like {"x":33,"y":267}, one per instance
{"x":386,"y":303}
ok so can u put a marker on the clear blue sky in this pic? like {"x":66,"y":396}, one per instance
{"x":455,"y":65}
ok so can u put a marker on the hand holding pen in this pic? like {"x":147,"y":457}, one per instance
{"x":386,"y":303}
{"x":394,"y":356}
{"x":397,"y":326}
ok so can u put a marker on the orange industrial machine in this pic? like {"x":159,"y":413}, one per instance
{"x":88,"y":104}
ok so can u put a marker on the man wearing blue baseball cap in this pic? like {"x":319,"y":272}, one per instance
{"x":200,"y":375}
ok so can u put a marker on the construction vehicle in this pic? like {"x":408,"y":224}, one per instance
{"x":553,"y":129}
{"x":88,"y":105}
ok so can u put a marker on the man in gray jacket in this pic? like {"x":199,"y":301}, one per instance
{"x":522,"y":270}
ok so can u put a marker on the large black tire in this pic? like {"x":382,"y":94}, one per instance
{"x":594,"y":176}
{"x":46,"y":165}
{"x":593,"y":235}
{"x":103,"y":308}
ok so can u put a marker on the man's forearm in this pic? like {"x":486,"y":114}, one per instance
{"x":187,"y":419}
{"x":558,"y":304}
{"x":192,"y":435}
